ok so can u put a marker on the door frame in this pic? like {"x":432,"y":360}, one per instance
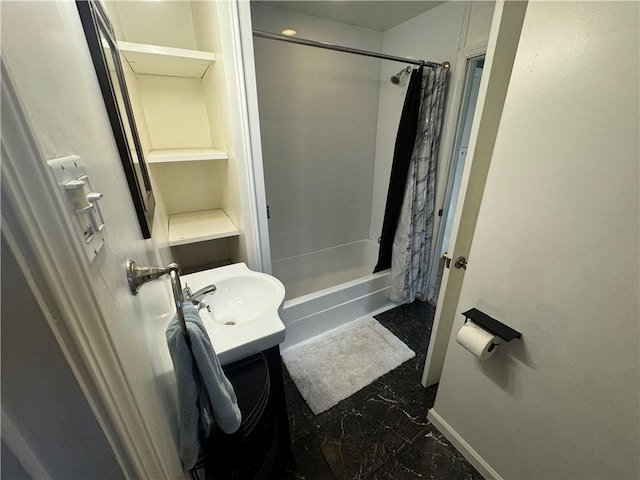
{"x":500,"y":53}
{"x":241,"y":14}
{"x":463,"y":60}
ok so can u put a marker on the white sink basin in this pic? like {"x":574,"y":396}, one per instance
{"x":244,"y":317}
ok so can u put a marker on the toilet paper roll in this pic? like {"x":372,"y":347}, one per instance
{"x":477,"y":340}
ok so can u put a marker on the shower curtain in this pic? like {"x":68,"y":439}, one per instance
{"x":411,"y":233}
{"x":403,"y":149}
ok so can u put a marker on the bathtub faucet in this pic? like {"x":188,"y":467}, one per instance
{"x":197,"y":297}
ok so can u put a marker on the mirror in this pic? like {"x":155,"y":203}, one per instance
{"x":106,"y":60}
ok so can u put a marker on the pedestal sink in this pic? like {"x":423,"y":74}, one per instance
{"x":242,"y":316}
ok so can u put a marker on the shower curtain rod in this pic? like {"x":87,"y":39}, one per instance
{"x":340,"y":48}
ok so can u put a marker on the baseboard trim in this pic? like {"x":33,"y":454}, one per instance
{"x":463,"y":447}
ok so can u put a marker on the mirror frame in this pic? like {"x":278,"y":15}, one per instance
{"x":96,"y":24}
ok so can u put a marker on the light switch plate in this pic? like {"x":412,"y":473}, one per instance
{"x":89,"y":225}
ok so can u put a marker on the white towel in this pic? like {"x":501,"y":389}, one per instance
{"x":217,"y":387}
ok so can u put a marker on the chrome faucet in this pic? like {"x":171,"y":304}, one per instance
{"x":197,"y":297}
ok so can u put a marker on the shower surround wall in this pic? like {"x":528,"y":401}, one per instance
{"x":328,"y":124}
{"x":318,"y":116}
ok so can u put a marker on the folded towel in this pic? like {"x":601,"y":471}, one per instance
{"x":218,"y":391}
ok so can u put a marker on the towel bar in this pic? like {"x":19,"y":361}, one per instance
{"x":138,"y":276}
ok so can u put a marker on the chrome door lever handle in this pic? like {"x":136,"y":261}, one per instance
{"x":460,"y":262}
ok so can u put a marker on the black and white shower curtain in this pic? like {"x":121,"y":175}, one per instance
{"x":409,"y":215}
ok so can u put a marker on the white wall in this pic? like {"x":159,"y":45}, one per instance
{"x":318,"y":113}
{"x":480,"y":16}
{"x":434,"y":36}
{"x":45,"y":49}
{"x":171,"y":25}
{"x":174,"y":108}
{"x":555,"y":255}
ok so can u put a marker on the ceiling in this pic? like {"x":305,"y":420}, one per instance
{"x":376,"y":15}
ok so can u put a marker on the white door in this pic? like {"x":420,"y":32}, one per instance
{"x":113,"y":343}
{"x":503,"y":42}
{"x":556,"y":256}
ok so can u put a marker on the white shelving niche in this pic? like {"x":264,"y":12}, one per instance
{"x":191,"y":227}
{"x":169,"y":61}
{"x":169,"y":155}
{"x":181,"y":105}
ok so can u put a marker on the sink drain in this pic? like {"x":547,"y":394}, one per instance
{"x":230,"y":322}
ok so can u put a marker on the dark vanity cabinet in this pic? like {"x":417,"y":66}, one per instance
{"x":261,"y":448}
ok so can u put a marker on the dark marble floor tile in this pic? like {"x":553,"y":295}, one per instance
{"x":400,"y":402}
{"x":405,"y":379}
{"x":429,"y":456}
{"x":413,"y":310}
{"x":355,"y":446}
{"x":346,"y":405}
{"x":390,"y":412}
{"x":410,"y":323}
{"x":430,"y":394}
{"x":416,"y":364}
{"x":299,"y":424}
{"x":310,"y":462}
{"x":404,"y":382}
{"x":380,"y":432}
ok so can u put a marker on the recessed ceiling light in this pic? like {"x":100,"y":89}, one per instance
{"x":289,"y":32}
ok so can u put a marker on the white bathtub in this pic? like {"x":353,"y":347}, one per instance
{"x":329,"y":288}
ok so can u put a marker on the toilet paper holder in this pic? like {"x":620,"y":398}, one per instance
{"x":491,"y":325}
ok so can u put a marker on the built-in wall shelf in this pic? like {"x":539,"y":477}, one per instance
{"x":192,"y":227}
{"x":169,"y":61}
{"x":185,"y":155}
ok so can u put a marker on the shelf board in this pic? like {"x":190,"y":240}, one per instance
{"x":169,"y":61}
{"x":192,"y":227}
{"x":185,"y":155}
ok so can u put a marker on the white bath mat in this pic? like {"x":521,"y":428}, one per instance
{"x":336,"y":365}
